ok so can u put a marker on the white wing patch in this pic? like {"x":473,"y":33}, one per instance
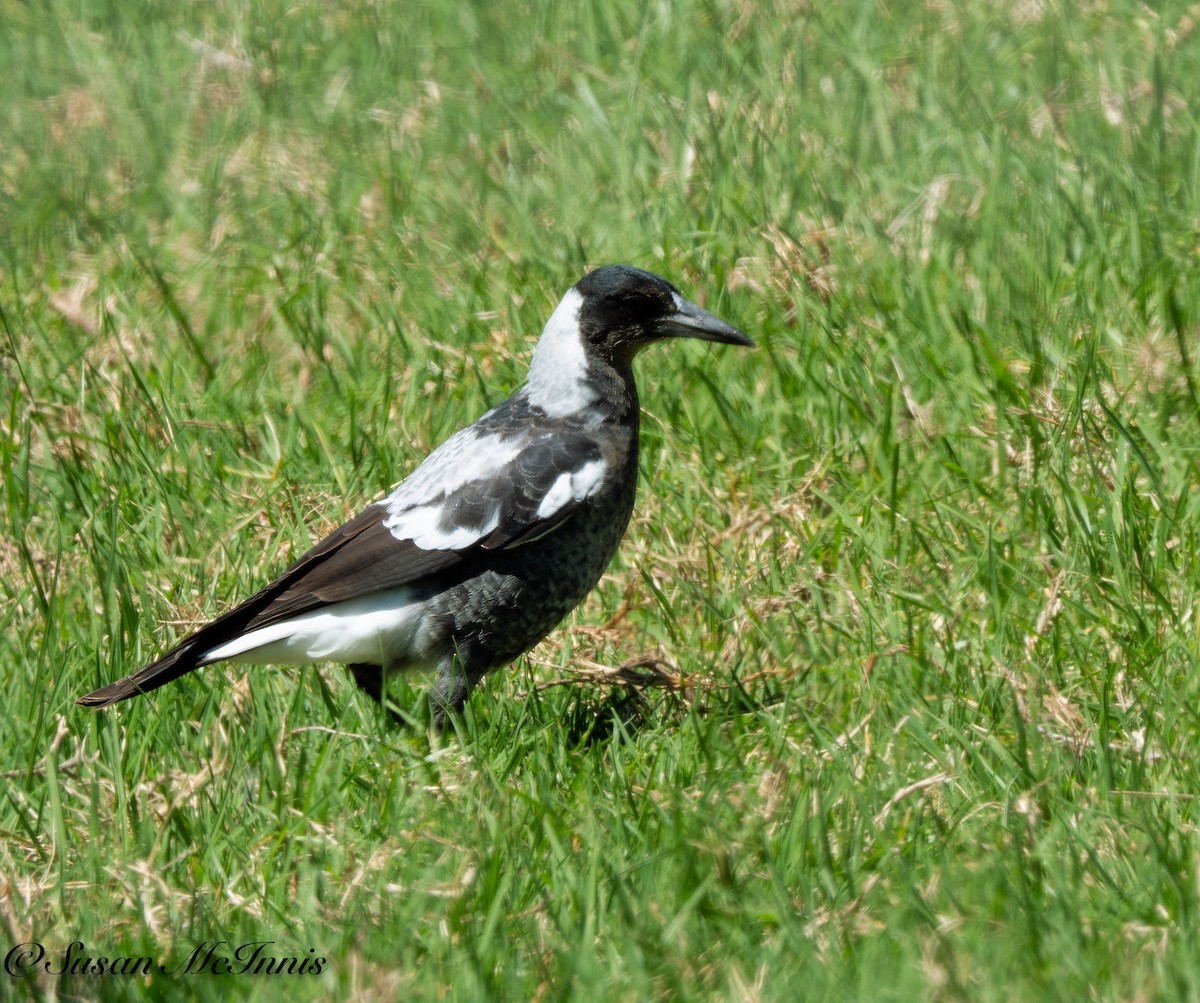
{"x":573,"y":486}
{"x":466,"y":456}
{"x":420,"y":525}
{"x":416,"y":506}
{"x":481,"y":480}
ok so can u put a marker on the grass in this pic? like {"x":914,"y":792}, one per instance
{"x":923,"y":568}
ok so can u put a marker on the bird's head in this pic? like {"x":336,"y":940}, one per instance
{"x":622,"y":309}
{"x":605,"y":319}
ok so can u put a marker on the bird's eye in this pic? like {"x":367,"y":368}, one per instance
{"x":646,"y":304}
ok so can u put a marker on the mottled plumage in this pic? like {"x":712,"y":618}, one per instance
{"x":493,"y":539}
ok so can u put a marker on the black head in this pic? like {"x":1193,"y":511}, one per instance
{"x":585,"y":351}
{"x":623,"y":309}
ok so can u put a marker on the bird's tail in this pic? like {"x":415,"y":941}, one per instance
{"x":190,"y":653}
{"x":175,"y":663}
{"x":259,"y":610}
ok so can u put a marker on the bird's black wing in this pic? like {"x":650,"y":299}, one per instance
{"x":476,"y":493}
{"x":401,"y":541}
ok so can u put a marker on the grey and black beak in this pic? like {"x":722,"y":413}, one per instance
{"x":691,"y":321}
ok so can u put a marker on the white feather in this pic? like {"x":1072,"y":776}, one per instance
{"x":575,"y":485}
{"x":466,"y":456}
{"x":558,"y":382}
{"x":415,"y":507}
{"x":421,"y":526}
{"x":379,"y":629}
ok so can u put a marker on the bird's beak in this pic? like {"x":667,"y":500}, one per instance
{"x":691,"y":321}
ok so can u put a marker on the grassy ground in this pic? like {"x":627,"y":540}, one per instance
{"x":924,"y":566}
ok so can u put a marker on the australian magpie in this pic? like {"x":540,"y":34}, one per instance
{"x":493,"y":539}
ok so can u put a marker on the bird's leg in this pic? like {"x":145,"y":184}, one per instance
{"x":447,"y":696}
{"x":449,"y":693}
{"x":369,"y":679}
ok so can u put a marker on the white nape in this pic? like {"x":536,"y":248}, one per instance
{"x":558,"y":376}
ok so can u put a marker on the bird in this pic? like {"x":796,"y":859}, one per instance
{"x":487,"y":545}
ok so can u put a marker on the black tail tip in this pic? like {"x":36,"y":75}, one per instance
{"x":107,"y":695}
